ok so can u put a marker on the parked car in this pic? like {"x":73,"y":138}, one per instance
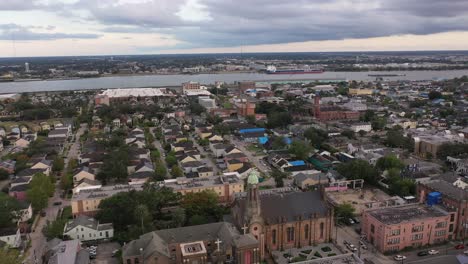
{"x":465,"y":252}
{"x":433,"y":252}
{"x":57,"y":203}
{"x":43,"y":213}
{"x":351,"y":247}
{"x":460,"y":246}
{"x":423,"y":253}
{"x":399,"y":257}
{"x":350,"y":221}
{"x":356,"y":220}
{"x":362,"y":244}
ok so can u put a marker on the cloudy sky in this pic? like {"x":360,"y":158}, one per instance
{"x":106,"y":27}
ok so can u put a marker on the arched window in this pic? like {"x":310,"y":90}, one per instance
{"x":273,"y":236}
{"x":321,"y":229}
{"x":306,"y":231}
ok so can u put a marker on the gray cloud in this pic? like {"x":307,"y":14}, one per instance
{"x":250,"y":22}
{"x":22,"y":33}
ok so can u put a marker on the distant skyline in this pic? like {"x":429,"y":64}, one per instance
{"x":114,"y":27}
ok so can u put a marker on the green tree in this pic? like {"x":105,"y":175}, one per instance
{"x":58,"y":164}
{"x":39,"y":191}
{"x":300,"y":149}
{"x":203,"y":142}
{"x":344,"y":211}
{"x":316,"y":137}
{"x":359,"y":169}
{"x":160,"y":171}
{"x":396,"y":139}
{"x":278,"y":143}
{"x":4,"y":174}
{"x":435,"y":95}
{"x":388,"y":162}
{"x":279,"y":119}
{"x":176,"y":171}
{"x":349,"y":134}
{"x":8,"y":208}
{"x":452,"y":150}
{"x":379,"y":123}
{"x":279,"y":177}
{"x":9,"y":256}
{"x":204,"y":204}
{"x":171,"y":160}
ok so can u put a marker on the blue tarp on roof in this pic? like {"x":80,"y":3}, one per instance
{"x":287,"y":140}
{"x":252,"y":130}
{"x":262,"y":140}
{"x":297,"y":163}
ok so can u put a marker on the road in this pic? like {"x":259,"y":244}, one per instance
{"x":207,"y":160}
{"x":38,"y":240}
{"x":158,"y":146}
{"x":255,"y":160}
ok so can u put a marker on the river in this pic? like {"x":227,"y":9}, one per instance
{"x":175,"y":80}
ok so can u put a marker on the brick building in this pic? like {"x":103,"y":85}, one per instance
{"x":392,"y":229}
{"x":190,"y":86}
{"x":245,"y":107}
{"x":283,"y":220}
{"x":330,"y":113}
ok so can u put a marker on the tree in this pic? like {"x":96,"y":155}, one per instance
{"x":203,"y":142}
{"x":300,"y":149}
{"x":279,"y":119}
{"x":202,"y":204}
{"x":142,"y":213}
{"x":316,"y":137}
{"x":196,"y":108}
{"x":348,"y":133}
{"x":171,"y":160}
{"x":8,"y":208}
{"x":434,"y":95}
{"x":39,"y":190}
{"x":58,"y":164}
{"x":9,"y":256}
{"x":452,"y":150}
{"x":4,"y":174}
{"x":359,"y":169}
{"x":176,"y":171}
{"x":368,"y":116}
{"x":222,"y":129}
{"x":344,"y":211}
{"x":379,"y":123}
{"x":279,"y":177}
{"x":396,"y":139}
{"x":389,"y":162}
{"x":160,"y":172}
{"x":279,"y":143}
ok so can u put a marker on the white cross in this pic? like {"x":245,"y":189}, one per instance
{"x":245,"y":227}
{"x":218,"y":242}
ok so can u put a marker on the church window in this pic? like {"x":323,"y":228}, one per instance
{"x":273,"y":236}
{"x":321,"y":230}
{"x":290,"y":234}
{"x":255,"y":228}
{"x":306,"y":231}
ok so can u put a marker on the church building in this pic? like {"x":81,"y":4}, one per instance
{"x":283,"y":220}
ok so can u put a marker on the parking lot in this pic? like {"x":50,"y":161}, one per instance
{"x":105,"y":255}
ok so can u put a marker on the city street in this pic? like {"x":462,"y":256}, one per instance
{"x":207,"y":160}
{"x":38,"y":240}
{"x":255,"y":160}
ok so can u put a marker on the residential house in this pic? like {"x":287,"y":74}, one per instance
{"x":11,"y":236}
{"x":86,"y":184}
{"x":46,"y":165}
{"x":22,"y":143}
{"x":69,"y":252}
{"x":303,"y":180}
{"x":83,"y":173}
{"x":85,"y":228}
{"x":8,"y":165}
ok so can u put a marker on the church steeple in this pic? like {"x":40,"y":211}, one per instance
{"x":253,"y":214}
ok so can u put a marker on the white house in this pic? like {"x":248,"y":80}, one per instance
{"x":11,"y":236}
{"x":21,"y":143}
{"x":43,"y":164}
{"x":83,"y":173}
{"x":86,"y":184}
{"x":85,"y":228}
{"x":367,"y":127}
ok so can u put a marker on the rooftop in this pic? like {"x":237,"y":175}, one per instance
{"x":136,"y":92}
{"x":398,"y":214}
{"x":183,"y":183}
{"x":105,"y":191}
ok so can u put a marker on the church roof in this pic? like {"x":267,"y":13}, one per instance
{"x":253,"y":178}
{"x":287,"y":207}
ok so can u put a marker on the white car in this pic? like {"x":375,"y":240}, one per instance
{"x":433,"y":252}
{"x":399,"y":257}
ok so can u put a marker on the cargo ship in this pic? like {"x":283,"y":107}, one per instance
{"x":306,"y":70}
